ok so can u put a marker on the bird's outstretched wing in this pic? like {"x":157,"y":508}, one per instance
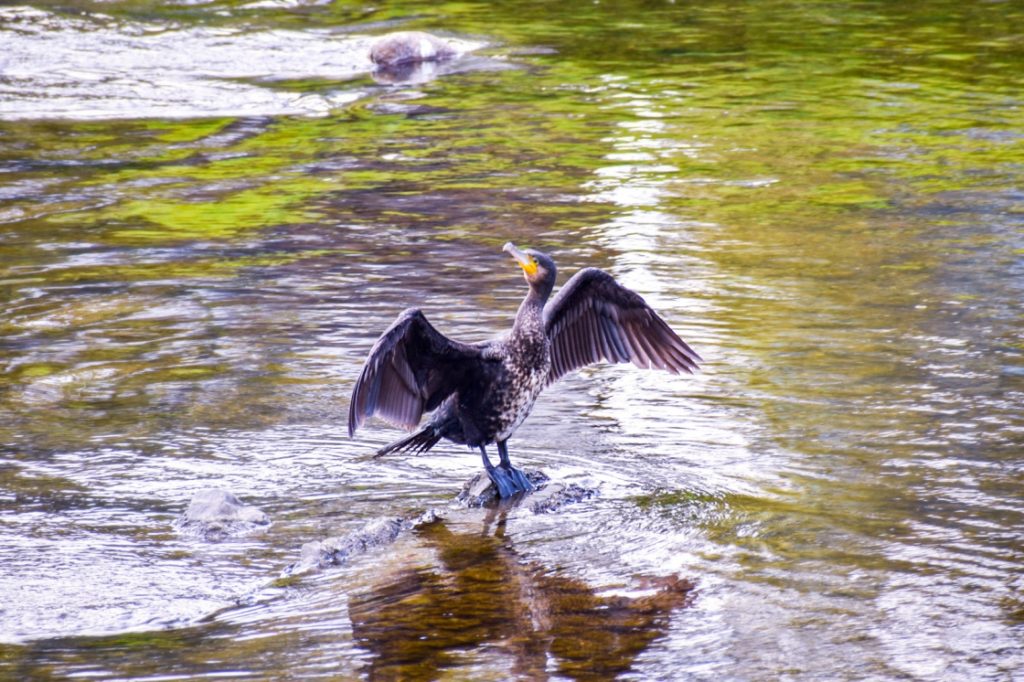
{"x":411,"y":369}
{"x":593,"y":317}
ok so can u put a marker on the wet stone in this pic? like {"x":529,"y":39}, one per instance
{"x":548,"y":497}
{"x":338,"y":551}
{"x":410,"y":47}
{"x":480,"y":492}
{"x":215,"y":514}
{"x":476,"y":493}
{"x":554,"y":497}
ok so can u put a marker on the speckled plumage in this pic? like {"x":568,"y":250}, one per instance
{"x":481,"y":393}
{"x":518,"y":364}
{"x":527,"y":361}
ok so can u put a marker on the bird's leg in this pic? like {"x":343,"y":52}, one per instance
{"x":518,"y":477}
{"x":499,"y":477}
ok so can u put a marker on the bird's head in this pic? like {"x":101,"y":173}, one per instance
{"x":538,"y":268}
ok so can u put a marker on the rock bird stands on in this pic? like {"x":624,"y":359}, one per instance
{"x":481,"y":392}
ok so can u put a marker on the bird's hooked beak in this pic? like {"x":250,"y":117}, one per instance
{"x":525,"y":260}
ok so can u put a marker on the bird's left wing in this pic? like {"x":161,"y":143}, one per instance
{"x":595,"y":318}
{"x":411,"y":369}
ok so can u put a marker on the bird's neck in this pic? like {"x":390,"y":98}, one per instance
{"x":530,"y":317}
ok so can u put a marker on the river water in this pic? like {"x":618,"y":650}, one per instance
{"x":210,"y":210}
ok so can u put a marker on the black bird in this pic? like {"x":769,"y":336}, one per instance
{"x":481,"y":392}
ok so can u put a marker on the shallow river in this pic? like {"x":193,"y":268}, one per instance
{"x":210,"y":210}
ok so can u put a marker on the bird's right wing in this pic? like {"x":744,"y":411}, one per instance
{"x":411,"y":369}
{"x":595,"y":318}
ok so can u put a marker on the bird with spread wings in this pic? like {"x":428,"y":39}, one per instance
{"x":479,"y":393}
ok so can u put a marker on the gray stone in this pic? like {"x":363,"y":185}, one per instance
{"x":215,"y":514}
{"x":337,"y":551}
{"x":410,"y":47}
{"x":477,"y":492}
{"x":548,"y":497}
{"x":554,"y":497}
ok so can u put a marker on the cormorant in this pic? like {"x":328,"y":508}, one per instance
{"x":481,"y":392}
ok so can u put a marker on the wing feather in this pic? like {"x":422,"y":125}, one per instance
{"x":595,"y":318}
{"x":412,"y":368}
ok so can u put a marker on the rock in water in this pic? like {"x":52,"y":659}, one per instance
{"x":410,"y":47}
{"x":215,"y":514}
{"x":547,"y":496}
{"x":337,"y":551}
{"x":477,"y":492}
{"x":554,"y":497}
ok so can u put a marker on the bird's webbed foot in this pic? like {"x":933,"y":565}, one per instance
{"x":505,"y":482}
{"x":519,"y":479}
{"x":508,"y":480}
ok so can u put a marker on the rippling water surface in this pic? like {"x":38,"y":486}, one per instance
{"x":209,"y":211}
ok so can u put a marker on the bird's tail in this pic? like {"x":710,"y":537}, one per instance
{"x":415,"y":443}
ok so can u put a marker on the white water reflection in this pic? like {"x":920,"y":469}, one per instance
{"x":658,"y":255}
{"x":98,"y":67}
{"x":113,"y":525}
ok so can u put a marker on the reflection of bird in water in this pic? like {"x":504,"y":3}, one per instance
{"x":482,"y":595}
{"x":482,"y":392}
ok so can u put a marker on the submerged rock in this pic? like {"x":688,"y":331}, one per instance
{"x":337,"y":551}
{"x":215,"y":514}
{"x":554,"y":497}
{"x":478,"y":492}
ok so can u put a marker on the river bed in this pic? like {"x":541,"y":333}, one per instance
{"x":209,"y":211}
